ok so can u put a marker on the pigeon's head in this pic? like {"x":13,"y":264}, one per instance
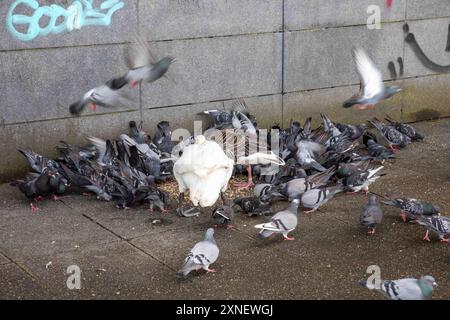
{"x":166,"y":62}
{"x":373,"y":200}
{"x":431,"y":208}
{"x":428,"y":281}
{"x":390,"y":91}
{"x":209,"y":234}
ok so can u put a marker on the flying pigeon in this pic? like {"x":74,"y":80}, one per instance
{"x":405,"y":289}
{"x":282,"y":222}
{"x":372,"y":89}
{"x":371,"y":215}
{"x":203,"y":254}
{"x":437,"y":224}
{"x":412,"y":208}
{"x":142,"y":66}
{"x":105,"y":95}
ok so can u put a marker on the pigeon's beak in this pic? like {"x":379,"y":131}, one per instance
{"x":435,"y":284}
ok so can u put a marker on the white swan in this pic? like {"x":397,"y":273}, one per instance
{"x":204,"y":169}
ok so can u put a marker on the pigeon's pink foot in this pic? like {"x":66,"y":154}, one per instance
{"x":244,"y":185}
{"x":151,"y":210}
{"x":289,"y":238}
{"x":362,"y":106}
{"x":427,"y":237}
{"x":393,"y":148}
{"x":164,"y":210}
{"x":33,"y":207}
{"x":230,"y":226}
{"x":93,"y":107}
{"x":370,"y":106}
{"x":309,"y":211}
{"x":211,"y":270}
{"x":403,"y":216}
{"x":366,"y":191}
{"x":55,"y":197}
{"x":371,"y":231}
{"x":134,"y":83}
{"x":351,"y":193}
{"x":445,"y":240}
{"x":39,"y":198}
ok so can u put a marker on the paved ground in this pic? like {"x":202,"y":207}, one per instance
{"x":122,"y":255}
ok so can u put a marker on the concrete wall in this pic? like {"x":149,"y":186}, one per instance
{"x":289,"y":58}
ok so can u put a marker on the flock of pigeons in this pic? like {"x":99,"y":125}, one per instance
{"x":308,"y":168}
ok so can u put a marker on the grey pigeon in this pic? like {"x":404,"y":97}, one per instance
{"x":437,"y":224}
{"x":35,"y":186}
{"x":314,"y":198}
{"x":282,"y":222}
{"x":412,"y":208}
{"x":222,"y":118}
{"x":360,"y":180}
{"x":202,"y":255}
{"x":395,"y":138}
{"x":296,"y":187}
{"x":406,"y":129}
{"x":372,"y":89}
{"x":267,"y":192}
{"x":252,"y":205}
{"x":352,"y":131}
{"x":142,"y":66}
{"x":379,"y":152}
{"x":405,"y":289}
{"x":371,"y":215}
{"x":163,"y":137}
{"x":104,"y":96}
{"x":137,"y":135}
{"x":224,"y":215}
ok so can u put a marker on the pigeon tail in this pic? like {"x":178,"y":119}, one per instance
{"x":351,"y":102}
{"x":118,"y":83}
{"x":264,"y":234}
{"x":76,"y":108}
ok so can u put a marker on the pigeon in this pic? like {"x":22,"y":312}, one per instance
{"x":379,"y":152}
{"x":141,"y":66}
{"x":405,"y":289}
{"x":437,"y":224}
{"x":253,"y":206}
{"x":267,"y":192}
{"x":314,"y":198}
{"x":202,"y":255}
{"x":395,"y":138}
{"x":361,"y":180}
{"x":224,"y":215}
{"x":371,"y":215}
{"x":104,"y":95}
{"x":222,"y":119}
{"x":163,"y":137}
{"x":135,"y":134}
{"x":406,"y":129}
{"x":296,"y":187}
{"x":372,"y":89}
{"x":35,"y":186}
{"x":305,"y":155}
{"x":282,"y":222}
{"x":412,"y":208}
{"x":353,"y":132}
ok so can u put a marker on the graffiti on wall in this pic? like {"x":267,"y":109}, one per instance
{"x":80,"y":13}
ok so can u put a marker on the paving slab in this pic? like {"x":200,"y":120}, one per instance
{"x":17,"y":285}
